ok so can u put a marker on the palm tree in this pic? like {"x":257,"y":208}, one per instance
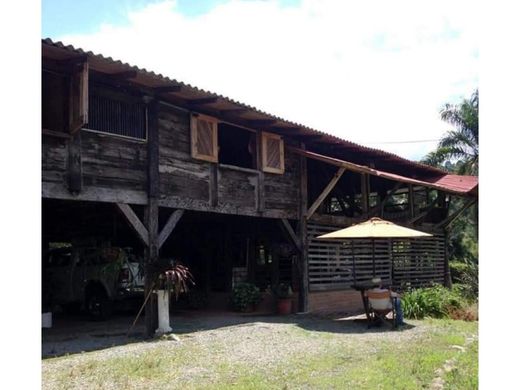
{"x":460,"y":144}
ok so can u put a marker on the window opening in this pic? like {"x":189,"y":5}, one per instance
{"x":237,"y":146}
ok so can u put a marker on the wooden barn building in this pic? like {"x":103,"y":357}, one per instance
{"x":141,"y":160}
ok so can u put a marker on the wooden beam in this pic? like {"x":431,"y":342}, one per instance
{"x":134,"y":221}
{"x":286,"y":226}
{"x":129,"y":74}
{"x":234,"y":111}
{"x":364,"y":169}
{"x":411,"y":200}
{"x":199,"y":102}
{"x":308,"y":138}
{"x":75,"y":171}
{"x":152,"y":210}
{"x":169,"y":226}
{"x":167,"y":89}
{"x":260,"y":187}
{"x":213,"y":185}
{"x":262,"y":122}
{"x":365,"y":192}
{"x":72,"y":61}
{"x":303,"y":261}
{"x":451,"y":218}
{"x":325,"y":192}
{"x":388,"y":195}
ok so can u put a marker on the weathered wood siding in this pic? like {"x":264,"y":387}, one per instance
{"x":54,"y":159}
{"x":186,"y":182}
{"x":404,"y":263}
{"x":181,"y":177}
{"x":282,"y":191}
{"x":114,"y":168}
{"x":113,"y":162}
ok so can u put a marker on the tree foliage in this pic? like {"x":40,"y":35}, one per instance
{"x":461,"y":144}
{"x":457,"y":152}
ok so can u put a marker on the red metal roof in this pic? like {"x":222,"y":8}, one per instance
{"x":458,"y":183}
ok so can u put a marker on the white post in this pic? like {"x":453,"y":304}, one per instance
{"x":163,"y":306}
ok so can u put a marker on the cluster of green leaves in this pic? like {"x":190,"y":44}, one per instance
{"x":458,"y":152}
{"x":459,"y":147}
{"x":465,"y":274}
{"x":244,"y":296}
{"x":436,"y":302}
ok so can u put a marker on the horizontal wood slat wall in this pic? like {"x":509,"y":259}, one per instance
{"x":404,"y":263}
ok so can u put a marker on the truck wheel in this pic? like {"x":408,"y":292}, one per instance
{"x":98,"y":305}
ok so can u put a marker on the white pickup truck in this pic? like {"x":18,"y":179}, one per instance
{"x":90,"y":277}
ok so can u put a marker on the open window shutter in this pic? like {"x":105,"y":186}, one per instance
{"x":78,"y":97}
{"x":272,"y":153}
{"x":204,"y":138}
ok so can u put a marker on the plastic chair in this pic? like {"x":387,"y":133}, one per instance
{"x":380,"y":304}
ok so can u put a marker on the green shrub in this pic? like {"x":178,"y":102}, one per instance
{"x":465,"y":273}
{"x":245,"y":296}
{"x":437,"y":302}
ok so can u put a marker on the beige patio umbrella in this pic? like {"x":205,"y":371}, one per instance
{"x":374,"y":228}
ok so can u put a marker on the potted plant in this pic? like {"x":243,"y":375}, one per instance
{"x":283,"y":293}
{"x":245,"y":296}
{"x":168,"y":276}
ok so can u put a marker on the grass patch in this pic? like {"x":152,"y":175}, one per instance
{"x":405,"y":359}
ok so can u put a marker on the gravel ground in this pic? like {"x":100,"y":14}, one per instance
{"x":206,"y":348}
{"x":109,"y":338}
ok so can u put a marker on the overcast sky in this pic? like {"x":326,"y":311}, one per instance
{"x":373,"y":72}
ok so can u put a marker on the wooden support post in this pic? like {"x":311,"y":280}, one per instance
{"x":213,"y":185}
{"x":325,"y":192}
{"x":152,"y":210}
{"x":364,"y":193}
{"x":451,"y":218}
{"x":303,"y":291}
{"x":260,"y":188}
{"x":447,"y":272}
{"x":75,"y":175}
{"x":135,"y":222}
{"x":411,"y":202}
{"x":287,"y":228}
{"x":169,"y":227}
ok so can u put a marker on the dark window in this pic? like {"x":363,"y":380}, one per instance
{"x":109,"y":114}
{"x":54,"y":101}
{"x":236,"y":146}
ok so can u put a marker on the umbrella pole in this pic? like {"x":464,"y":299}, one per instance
{"x":373,"y":258}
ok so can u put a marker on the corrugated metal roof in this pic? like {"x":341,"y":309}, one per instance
{"x":164,"y":80}
{"x":467,"y":184}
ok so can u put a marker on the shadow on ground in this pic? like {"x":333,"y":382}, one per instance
{"x":75,"y":334}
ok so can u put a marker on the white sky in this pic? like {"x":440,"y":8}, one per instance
{"x":370,"y":72}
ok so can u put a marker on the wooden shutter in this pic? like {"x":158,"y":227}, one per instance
{"x":204,"y":138}
{"x":272,"y":153}
{"x":78,"y":97}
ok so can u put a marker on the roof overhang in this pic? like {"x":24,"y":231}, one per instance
{"x":452,"y":184}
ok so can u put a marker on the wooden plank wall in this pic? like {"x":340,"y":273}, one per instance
{"x":54,"y":160}
{"x":403,"y":263}
{"x":113,"y":162}
{"x":114,"y":167}
{"x":418,"y":262}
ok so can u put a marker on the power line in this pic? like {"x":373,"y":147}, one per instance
{"x":404,"y":142}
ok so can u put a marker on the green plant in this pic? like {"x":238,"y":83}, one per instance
{"x":244,"y":296}
{"x":283,"y":291}
{"x":171,"y":275}
{"x":436,"y":302}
